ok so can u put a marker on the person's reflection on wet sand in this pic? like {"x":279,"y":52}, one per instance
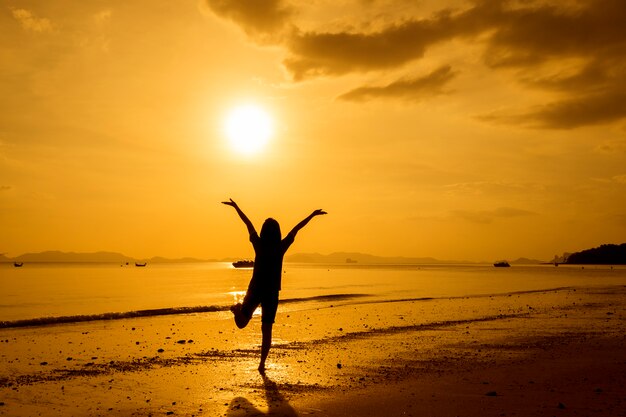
{"x":276,"y":404}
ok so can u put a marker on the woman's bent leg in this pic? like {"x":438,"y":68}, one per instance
{"x":243,"y":311}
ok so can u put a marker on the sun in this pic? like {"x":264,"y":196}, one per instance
{"x":248,"y":128}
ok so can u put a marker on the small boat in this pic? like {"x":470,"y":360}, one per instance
{"x":18,"y":264}
{"x":138,"y":264}
{"x":501,"y":264}
{"x":243,"y":264}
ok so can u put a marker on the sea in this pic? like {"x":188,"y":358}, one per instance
{"x":51,"y":293}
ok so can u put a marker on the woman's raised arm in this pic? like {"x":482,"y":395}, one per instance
{"x":304,"y":222}
{"x":242,"y":215}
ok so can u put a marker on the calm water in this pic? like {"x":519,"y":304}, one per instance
{"x":52,"y":290}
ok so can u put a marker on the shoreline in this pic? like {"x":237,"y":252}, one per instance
{"x":42,"y":322}
{"x":437,"y":357}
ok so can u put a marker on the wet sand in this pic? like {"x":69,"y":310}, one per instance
{"x":545,"y":353}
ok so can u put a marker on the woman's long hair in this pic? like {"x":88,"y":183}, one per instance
{"x":270,"y":232}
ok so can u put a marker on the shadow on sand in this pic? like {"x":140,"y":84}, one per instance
{"x":276,"y":404}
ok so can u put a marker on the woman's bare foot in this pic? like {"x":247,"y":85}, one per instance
{"x":240,"y":320}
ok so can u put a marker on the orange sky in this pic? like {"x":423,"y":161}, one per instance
{"x":474,"y":130}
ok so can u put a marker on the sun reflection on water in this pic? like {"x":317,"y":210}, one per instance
{"x":237,"y":296}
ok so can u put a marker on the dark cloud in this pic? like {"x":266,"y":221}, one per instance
{"x":576,"y":48}
{"x":518,"y":36}
{"x":411,"y":89}
{"x":5,"y":187}
{"x":314,"y":54}
{"x":594,"y":34}
{"x":591,"y":77}
{"x":538,"y":33}
{"x":578,"y":111}
{"x":488,"y":216}
{"x":256,"y":17}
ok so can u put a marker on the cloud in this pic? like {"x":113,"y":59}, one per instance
{"x":314,"y":54}
{"x":620,"y":179}
{"x":574,"y":112}
{"x":321,"y":53}
{"x":537,"y":37}
{"x":102,"y":16}
{"x":410,"y":89}
{"x":258,"y":18}
{"x":612,"y":147}
{"x":480,"y":188}
{"x":5,"y":187}
{"x":488,"y":216}
{"x":30,"y":22}
{"x":533,"y":41}
{"x":537,"y":33}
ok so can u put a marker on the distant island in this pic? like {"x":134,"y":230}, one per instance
{"x":352,"y":258}
{"x":609,"y":254}
{"x":92,"y":257}
{"x":114,"y":257}
{"x":367,"y":259}
{"x":602,"y":255}
{"x":359,"y":258}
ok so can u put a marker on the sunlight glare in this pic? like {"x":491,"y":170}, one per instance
{"x":248,"y":128}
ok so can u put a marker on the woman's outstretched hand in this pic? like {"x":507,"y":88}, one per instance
{"x":230,"y":203}
{"x":304,"y":222}
{"x":241,"y":214}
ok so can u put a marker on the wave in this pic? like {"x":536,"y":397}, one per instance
{"x":168,"y":311}
{"x":329,"y":297}
{"x":43,"y":321}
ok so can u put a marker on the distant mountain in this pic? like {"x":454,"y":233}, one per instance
{"x":96,"y":257}
{"x":362,"y":258}
{"x":58,"y":256}
{"x":527,"y":261}
{"x":160,"y":259}
{"x":333,"y":258}
{"x":603,"y":255}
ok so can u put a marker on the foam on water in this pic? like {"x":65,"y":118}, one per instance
{"x":47,"y":321}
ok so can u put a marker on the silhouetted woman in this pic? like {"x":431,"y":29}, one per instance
{"x":269,"y":250}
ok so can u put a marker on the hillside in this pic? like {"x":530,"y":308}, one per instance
{"x":602,"y":255}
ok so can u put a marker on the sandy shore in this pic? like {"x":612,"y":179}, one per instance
{"x":547,"y":353}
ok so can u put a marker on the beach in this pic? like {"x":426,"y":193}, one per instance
{"x":428,"y":196}
{"x":540,"y":352}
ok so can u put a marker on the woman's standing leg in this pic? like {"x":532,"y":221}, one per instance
{"x":266,"y":330}
{"x":269,"y":304}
